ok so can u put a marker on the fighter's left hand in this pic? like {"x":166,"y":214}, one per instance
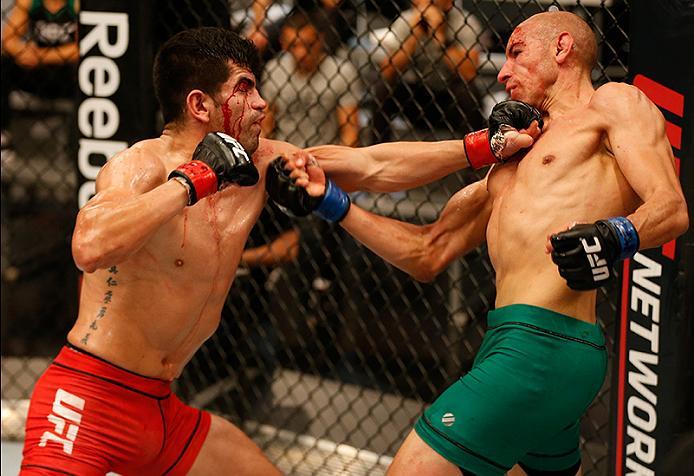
{"x":585,"y":254}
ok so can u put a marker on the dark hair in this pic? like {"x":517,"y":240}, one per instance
{"x":198,"y":59}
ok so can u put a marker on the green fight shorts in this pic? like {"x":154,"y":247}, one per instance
{"x":534,"y":376}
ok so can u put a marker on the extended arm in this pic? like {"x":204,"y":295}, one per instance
{"x":425,"y":251}
{"x":401,"y":165}
{"x":636,"y":132}
{"x":391,"y":166}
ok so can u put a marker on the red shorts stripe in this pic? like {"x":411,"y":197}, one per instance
{"x":88,"y":416}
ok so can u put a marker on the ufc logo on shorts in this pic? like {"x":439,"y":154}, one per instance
{"x":598,"y":265}
{"x":63,"y":416}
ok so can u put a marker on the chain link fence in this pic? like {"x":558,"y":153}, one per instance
{"x":326,"y":359}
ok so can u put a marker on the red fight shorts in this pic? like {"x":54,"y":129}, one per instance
{"x":90,"y":417}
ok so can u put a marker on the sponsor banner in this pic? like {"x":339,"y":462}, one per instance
{"x":115,"y":105}
{"x":652,"y":340}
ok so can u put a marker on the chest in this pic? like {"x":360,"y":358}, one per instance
{"x":209,"y":235}
{"x":569,"y":153}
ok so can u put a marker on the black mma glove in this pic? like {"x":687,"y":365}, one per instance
{"x":219,"y":160}
{"x":485,"y":147}
{"x":586,"y":254}
{"x":294,"y":200}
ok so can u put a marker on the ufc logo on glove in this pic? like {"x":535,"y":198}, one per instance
{"x":597,"y":264}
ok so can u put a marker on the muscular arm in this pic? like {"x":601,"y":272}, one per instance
{"x":636,"y":133}
{"x":425,"y":251}
{"x":391,"y":166}
{"x":133,"y":201}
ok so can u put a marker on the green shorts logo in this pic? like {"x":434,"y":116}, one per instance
{"x":448,"y":419}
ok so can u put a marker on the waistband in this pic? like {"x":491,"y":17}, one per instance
{"x":83,"y":362}
{"x":546,"y":320}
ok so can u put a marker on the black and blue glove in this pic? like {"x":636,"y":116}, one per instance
{"x":294,"y":200}
{"x":586,"y":254}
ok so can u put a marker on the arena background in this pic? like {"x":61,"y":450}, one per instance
{"x":327,"y":360}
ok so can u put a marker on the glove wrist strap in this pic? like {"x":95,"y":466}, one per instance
{"x":201,"y":179}
{"x":335,"y":203}
{"x":477,"y":149}
{"x":628,"y":236}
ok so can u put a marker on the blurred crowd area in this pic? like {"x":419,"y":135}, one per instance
{"x":353,"y":72}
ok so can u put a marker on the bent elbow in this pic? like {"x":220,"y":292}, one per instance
{"x":428,"y":272}
{"x":84,"y":256}
{"x":87,"y":248}
{"x":681,"y":219}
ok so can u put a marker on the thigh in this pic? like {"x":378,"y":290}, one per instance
{"x":416,"y":457}
{"x":228,"y":447}
{"x":558,"y":455}
{"x":59,"y":435}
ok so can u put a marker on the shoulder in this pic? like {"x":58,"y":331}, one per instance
{"x":621,"y":103}
{"x":138,"y":167}
{"x":619,"y":98}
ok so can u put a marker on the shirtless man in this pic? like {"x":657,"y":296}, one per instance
{"x":159,"y":245}
{"x":602,"y":153}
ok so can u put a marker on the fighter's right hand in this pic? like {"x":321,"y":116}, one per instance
{"x":330,"y":202}
{"x":494,"y":145}
{"x":219,"y":160}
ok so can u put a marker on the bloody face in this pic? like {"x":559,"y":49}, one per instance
{"x":529,"y":70}
{"x":241,"y":108}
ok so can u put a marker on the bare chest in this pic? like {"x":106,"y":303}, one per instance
{"x":206,"y":240}
{"x":568,"y":175}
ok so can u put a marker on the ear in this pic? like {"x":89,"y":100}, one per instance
{"x":564,"y":45}
{"x":199,"y":105}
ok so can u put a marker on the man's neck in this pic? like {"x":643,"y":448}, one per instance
{"x":182,"y":138}
{"x":567,"y":93}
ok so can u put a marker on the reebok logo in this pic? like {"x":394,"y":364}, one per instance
{"x":61,"y":416}
{"x":598,"y":265}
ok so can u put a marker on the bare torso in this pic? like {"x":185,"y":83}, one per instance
{"x":150,"y":313}
{"x":569,"y":174}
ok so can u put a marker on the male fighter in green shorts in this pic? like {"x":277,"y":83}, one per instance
{"x":602,"y":160}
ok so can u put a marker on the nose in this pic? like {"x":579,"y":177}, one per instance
{"x":258,"y":102}
{"x":504,"y":73}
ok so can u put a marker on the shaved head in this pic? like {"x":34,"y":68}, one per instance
{"x":548,"y":26}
